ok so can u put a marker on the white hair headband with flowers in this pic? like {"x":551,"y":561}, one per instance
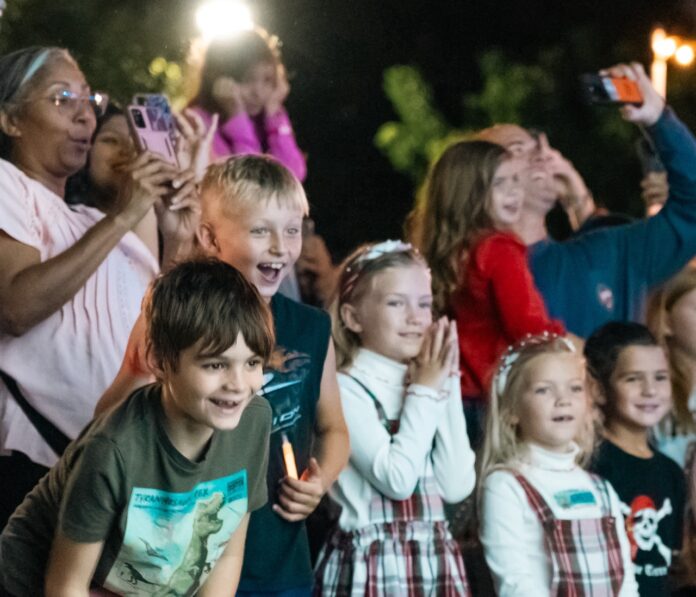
{"x":387,"y":246}
{"x":513,"y":353}
{"x":371,"y":253}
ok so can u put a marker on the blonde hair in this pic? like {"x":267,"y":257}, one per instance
{"x":244,"y":180}
{"x":503,"y":446}
{"x":356,"y":273}
{"x":683,"y":382}
{"x":453,"y":210}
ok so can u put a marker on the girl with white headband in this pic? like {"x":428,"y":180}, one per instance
{"x":409,"y":447}
{"x":548,"y":527}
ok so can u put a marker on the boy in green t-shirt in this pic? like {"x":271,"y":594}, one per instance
{"x":154,"y":496}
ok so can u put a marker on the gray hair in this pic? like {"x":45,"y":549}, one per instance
{"x":20,"y":72}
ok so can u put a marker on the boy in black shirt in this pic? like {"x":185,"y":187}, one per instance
{"x":634,"y":394}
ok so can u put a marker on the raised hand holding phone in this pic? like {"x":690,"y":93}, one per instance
{"x":649,"y":112}
{"x":146,"y":180}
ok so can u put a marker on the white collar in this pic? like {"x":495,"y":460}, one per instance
{"x":542,"y":458}
{"x":379,"y":367}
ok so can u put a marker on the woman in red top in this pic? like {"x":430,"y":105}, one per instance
{"x":464,"y":228}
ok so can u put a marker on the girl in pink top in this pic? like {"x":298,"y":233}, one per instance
{"x":243,"y":80}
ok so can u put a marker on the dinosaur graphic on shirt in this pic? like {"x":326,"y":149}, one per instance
{"x":185,"y":579}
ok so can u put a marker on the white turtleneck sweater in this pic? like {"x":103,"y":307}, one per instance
{"x":510,"y":530}
{"x":432,"y":439}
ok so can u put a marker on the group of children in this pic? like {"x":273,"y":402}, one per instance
{"x":187,"y":480}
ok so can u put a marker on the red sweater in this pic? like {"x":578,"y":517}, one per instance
{"x":496,"y":305}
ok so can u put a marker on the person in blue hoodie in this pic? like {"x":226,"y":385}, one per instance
{"x":606,"y":274}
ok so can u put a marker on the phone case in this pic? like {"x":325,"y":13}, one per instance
{"x":150,"y":132}
{"x":602,"y":90}
{"x":161,"y":102}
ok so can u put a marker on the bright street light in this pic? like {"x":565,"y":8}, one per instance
{"x":218,"y":19}
{"x":665,"y":47}
{"x":684,"y":55}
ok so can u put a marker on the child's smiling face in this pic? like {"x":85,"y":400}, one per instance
{"x":392,"y":317}
{"x":262,"y":241}
{"x":640,"y":388}
{"x":209,"y":391}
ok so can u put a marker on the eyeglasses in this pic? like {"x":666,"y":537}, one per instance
{"x":70,"y":102}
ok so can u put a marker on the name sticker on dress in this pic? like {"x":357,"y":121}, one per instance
{"x":575,"y":498}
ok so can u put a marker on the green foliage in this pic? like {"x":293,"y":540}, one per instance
{"x":509,"y":87}
{"x":115,"y":43}
{"x":422,"y":132}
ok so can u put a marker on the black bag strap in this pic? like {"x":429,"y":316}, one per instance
{"x":53,"y":436}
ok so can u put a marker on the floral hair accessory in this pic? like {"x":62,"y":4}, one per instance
{"x":375,"y":251}
{"x":362,"y":261}
{"x":513,"y":353}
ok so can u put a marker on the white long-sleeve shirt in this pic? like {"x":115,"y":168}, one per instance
{"x":512,"y":535}
{"x":431,"y":439}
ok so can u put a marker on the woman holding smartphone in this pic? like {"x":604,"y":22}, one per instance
{"x":71,"y":278}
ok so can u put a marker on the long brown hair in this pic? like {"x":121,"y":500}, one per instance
{"x":683,"y":382}
{"x":453,"y":210}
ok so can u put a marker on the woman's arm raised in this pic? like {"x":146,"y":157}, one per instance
{"x":31,"y":289}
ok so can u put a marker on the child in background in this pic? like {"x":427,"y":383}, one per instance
{"x":252,"y":210}
{"x":634,"y":394}
{"x":158,"y":491}
{"x":672,"y":319}
{"x":243,"y":80}
{"x":548,"y":527}
{"x":464,"y":228}
{"x":409,"y":448}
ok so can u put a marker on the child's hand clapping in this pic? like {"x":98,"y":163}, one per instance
{"x":438,"y":356}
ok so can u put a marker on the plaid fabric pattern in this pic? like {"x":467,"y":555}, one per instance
{"x":406,"y":551}
{"x":585,"y":554}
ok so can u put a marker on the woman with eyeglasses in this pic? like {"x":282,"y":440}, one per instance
{"x":71,"y":278}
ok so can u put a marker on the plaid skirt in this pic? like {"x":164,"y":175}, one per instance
{"x":394,"y":559}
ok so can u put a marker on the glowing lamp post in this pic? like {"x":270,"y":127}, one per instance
{"x":218,"y":19}
{"x":666,"y":47}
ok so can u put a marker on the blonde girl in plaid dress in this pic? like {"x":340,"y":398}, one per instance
{"x":548,"y":527}
{"x":409,"y":448}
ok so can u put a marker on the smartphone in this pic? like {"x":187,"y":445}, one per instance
{"x":610,"y":91}
{"x":150,"y":133}
{"x":161,"y":102}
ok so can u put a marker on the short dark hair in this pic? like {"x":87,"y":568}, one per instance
{"x":603,"y":347}
{"x":209,"y":301}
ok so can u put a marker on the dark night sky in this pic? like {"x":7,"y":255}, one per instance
{"x":337,"y":50}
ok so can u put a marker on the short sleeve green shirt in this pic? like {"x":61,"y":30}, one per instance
{"x":164,"y":520}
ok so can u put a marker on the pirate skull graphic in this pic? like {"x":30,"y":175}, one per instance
{"x":642,"y":521}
